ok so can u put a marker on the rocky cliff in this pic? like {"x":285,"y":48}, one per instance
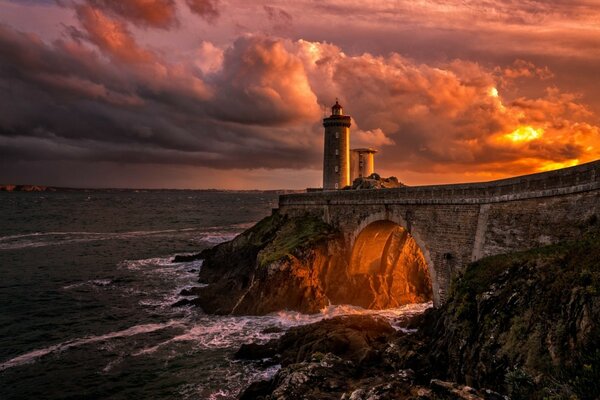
{"x":520,"y":326}
{"x":527,"y":323}
{"x":280,"y":263}
{"x":302,"y":264}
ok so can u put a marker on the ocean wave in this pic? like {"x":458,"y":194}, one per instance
{"x":214,"y":238}
{"x":212,"y":332}
{"x":210,"y":235}
{"x":93,"y":282}
{"x":44,"y":239}
{"x":134,"y":330}
{"x":161,"y":262}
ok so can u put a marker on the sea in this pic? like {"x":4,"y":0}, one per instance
{"x":87,"y":285}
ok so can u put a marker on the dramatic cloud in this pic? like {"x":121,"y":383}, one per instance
{"x":446,"y":91}
{"x":208,"y":9}
{"x":111,"y":36}
{"x":147,"y":13}
{"x":263,"y":83}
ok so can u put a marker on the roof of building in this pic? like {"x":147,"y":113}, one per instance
{"x":365,"y":150}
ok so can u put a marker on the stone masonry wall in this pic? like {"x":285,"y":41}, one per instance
{"x":456,"y":224}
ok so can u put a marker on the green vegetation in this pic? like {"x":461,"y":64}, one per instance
{"x":532,"y":319}
{"x":294,"y":234}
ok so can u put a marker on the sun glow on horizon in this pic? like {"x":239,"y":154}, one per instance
{"x":524,"y":134}
{"x":552,"y":165}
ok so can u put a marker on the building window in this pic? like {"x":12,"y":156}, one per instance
{"x":337,"y":135}
{"x":337,"y":168}
{"x":337,"y":152}
{"x":336,"y":186}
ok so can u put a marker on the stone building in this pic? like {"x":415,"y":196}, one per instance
{"x":339,"y":167}
{"x":362,"y":163}
{"x":336,"y":157}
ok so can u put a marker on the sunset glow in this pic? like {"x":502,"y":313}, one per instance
{"x":208,"y":93}
{"x":524,"y":134}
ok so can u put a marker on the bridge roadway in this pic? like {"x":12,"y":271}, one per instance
{"x":459,"y":223}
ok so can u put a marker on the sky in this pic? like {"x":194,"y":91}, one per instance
{"x":231,"y":93}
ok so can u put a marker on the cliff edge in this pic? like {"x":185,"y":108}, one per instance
{"x":519,"y":326}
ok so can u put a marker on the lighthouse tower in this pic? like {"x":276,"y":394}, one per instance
{"x":336,"y":157}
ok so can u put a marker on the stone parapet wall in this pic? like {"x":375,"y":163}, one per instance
{"x":578,"y":179}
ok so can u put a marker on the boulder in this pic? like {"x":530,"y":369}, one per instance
{"x":374,"y":181}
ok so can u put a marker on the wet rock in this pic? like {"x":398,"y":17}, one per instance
{"x":524,"y":324}
{"x":272,"y":266}
{"x":301,"y":264}
{"x":181,"y":303}
{"x":451,"y":390}
{"x":358,"y":339}
{"x":193,"y":291}
{"x":253,"y":351}
{"x":273,"y":329}
{"x":520,"y":326}
{"x":181,"y":258}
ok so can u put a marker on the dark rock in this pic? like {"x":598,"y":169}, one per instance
{"x":273,"y":329}
{"x":181,"y":258}
{"x":356,"y":338}
{"x":374,"y":181}
{"x":189,"y":292}
{"x":181,"y":303}
{"x":524,"y":324}
{"x":253,"y":351}
{"x":451,"y":390}
{"x":272,"y":266}
{"x":257,"y":390}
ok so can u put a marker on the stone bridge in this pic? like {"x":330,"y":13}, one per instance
{"x":456,"y":224}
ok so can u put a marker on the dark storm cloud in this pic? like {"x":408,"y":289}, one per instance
{"x":66,"y":101}
{"x":473,"y":88}
{"x":207,"y":9}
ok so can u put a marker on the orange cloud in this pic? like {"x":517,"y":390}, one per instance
{"x":111,"y":36}
{"x":451,"y":117}
{"x":263,"y":83}
{"x":152,"y":13}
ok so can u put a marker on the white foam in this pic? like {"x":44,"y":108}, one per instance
{"x":212,"y":332}
{"x":147,"y":262}
{"x":35,"y":354}
{"x":43,"y":239}
{"x":94,"y":282}
{"x":215,"y":237}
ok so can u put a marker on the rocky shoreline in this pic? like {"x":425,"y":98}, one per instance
{"x":521,"y":326}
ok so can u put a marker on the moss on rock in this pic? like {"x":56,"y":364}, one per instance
{"x":526,"y":322}
{"x":274,"y":265}
{"x":295,"y":234}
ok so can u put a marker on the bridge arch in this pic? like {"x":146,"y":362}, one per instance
{"x":386,"y":220}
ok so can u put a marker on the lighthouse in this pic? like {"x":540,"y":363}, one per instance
{"x":336,"y":155}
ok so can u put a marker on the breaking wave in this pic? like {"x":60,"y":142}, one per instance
{"x":211,"y":332}
{"x":36,"y":354}
{"x":43,"y":239}
{"x":211,"y":236}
